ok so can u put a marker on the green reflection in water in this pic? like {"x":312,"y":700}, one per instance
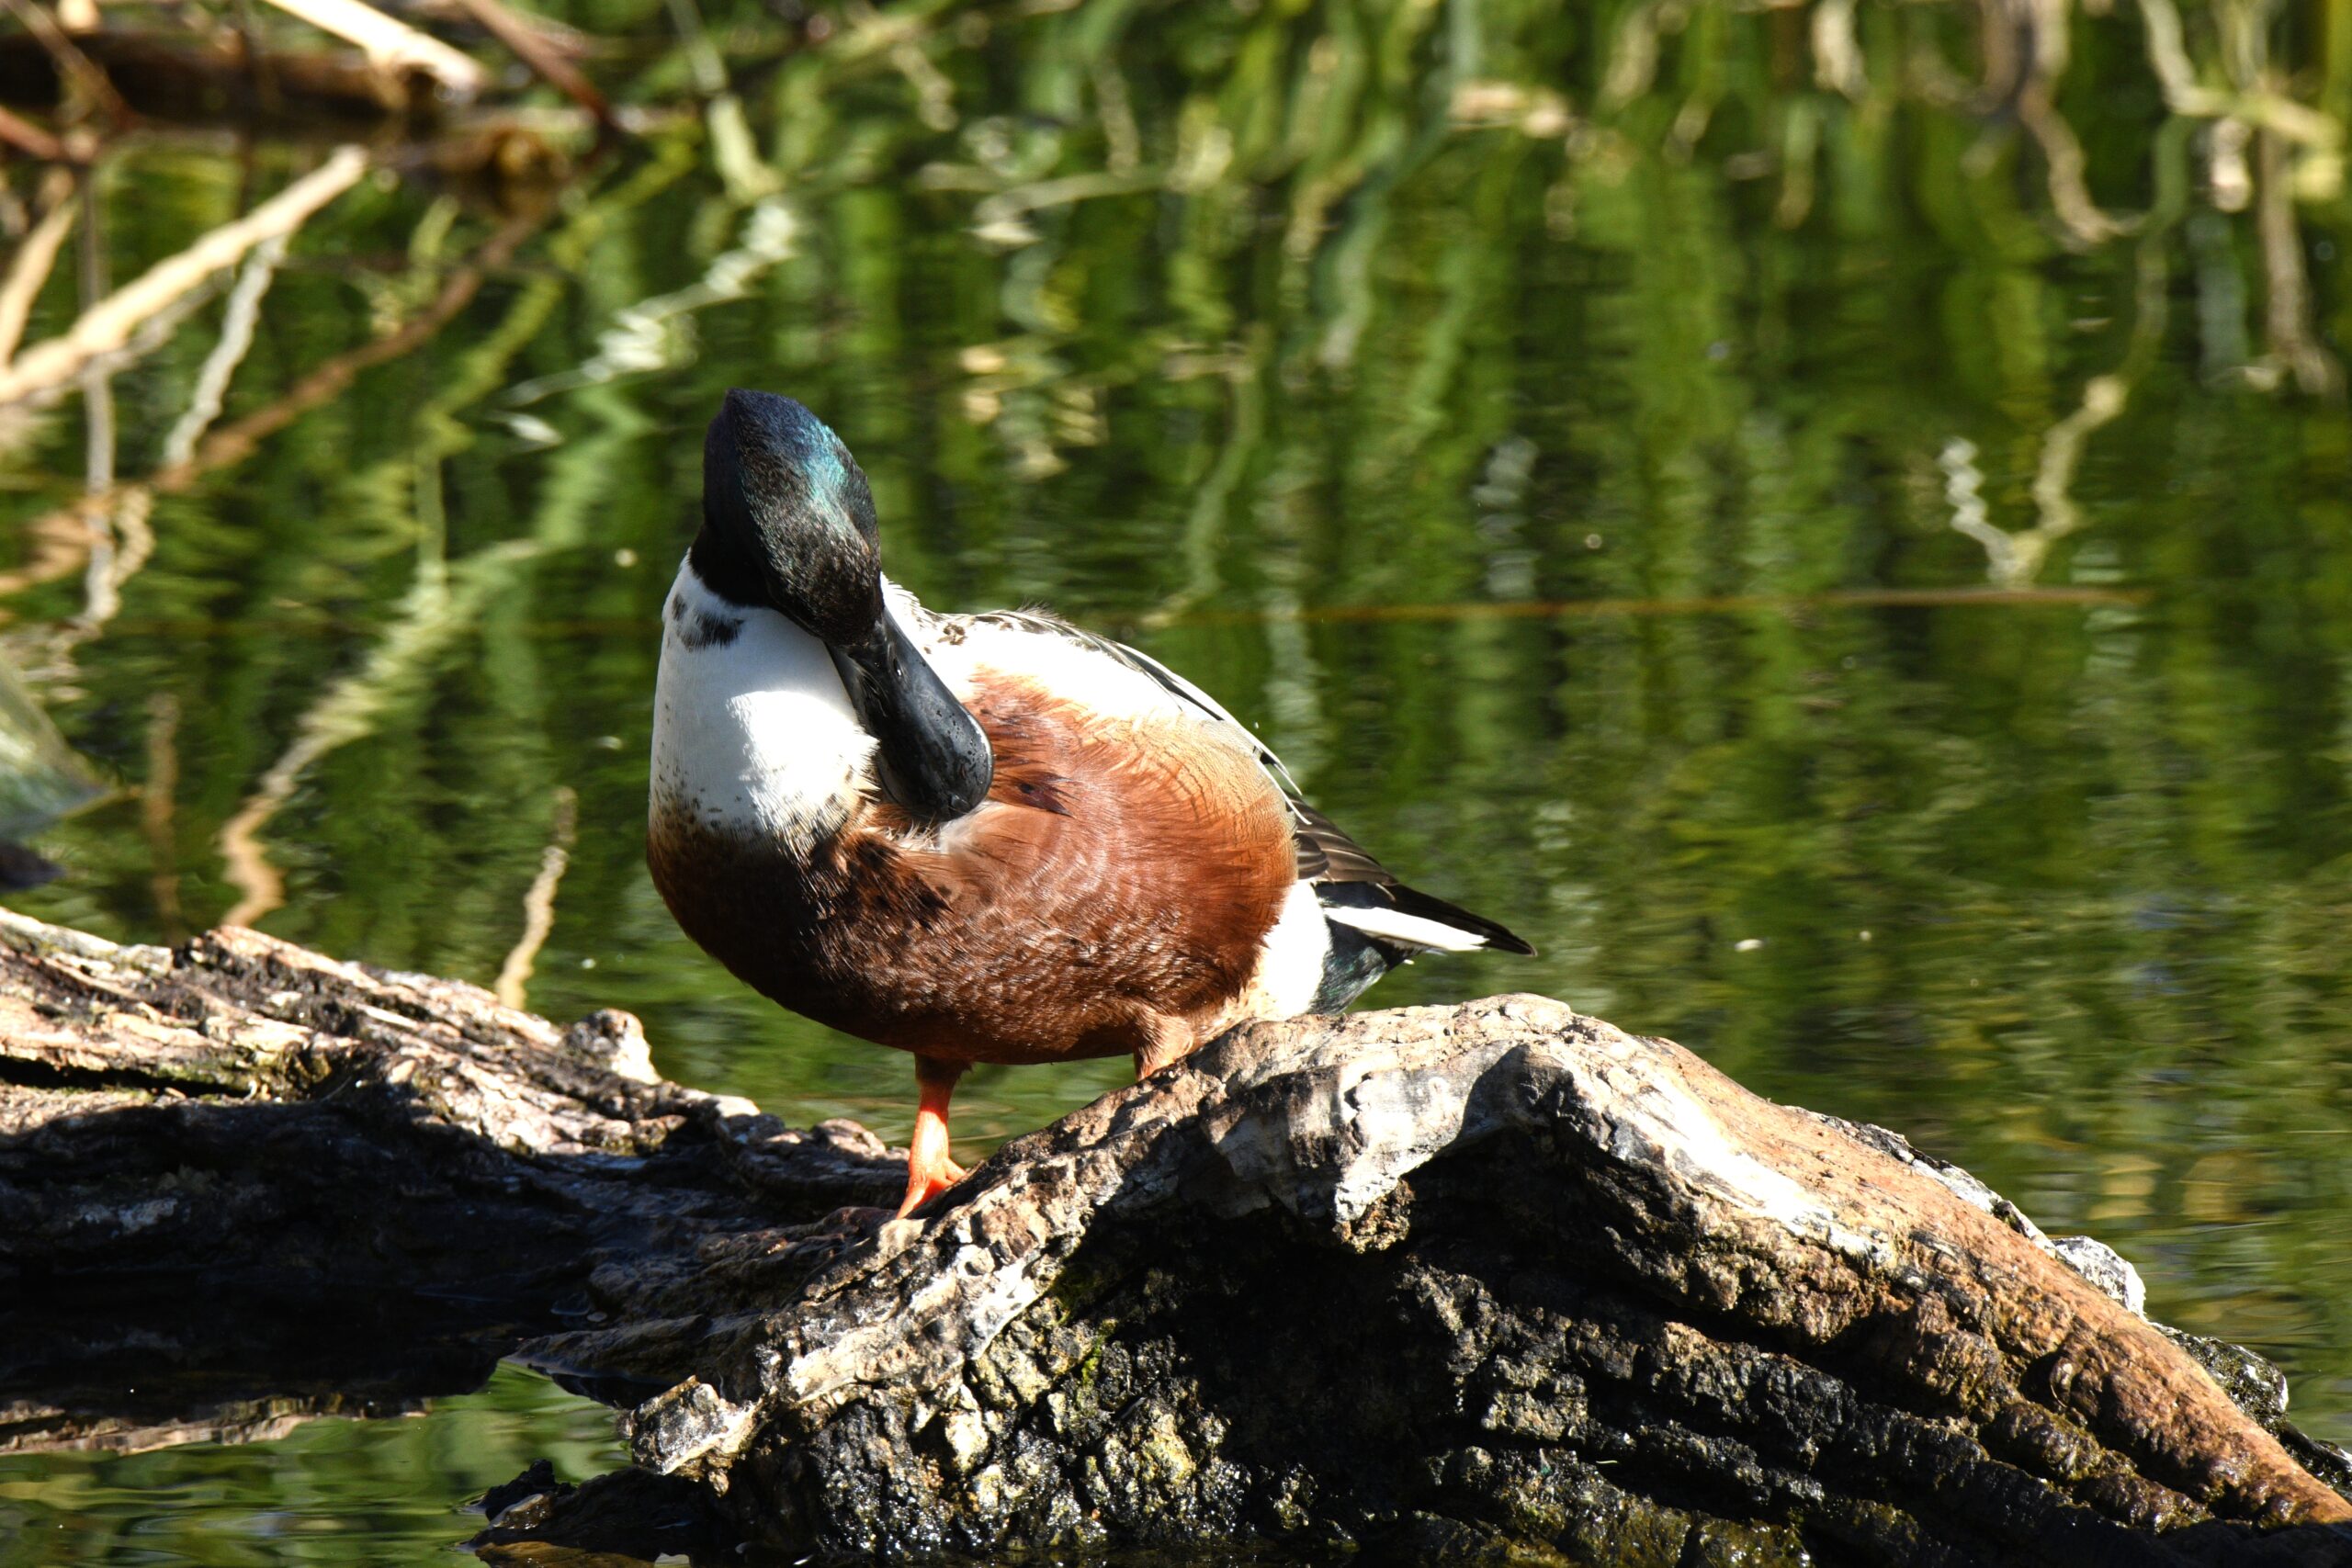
{"x":352,"y":1494}
{"x":1277,"y":333}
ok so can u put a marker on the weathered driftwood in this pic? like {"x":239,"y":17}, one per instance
{"x":1436,"y":1283}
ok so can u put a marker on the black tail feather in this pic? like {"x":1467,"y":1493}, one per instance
{"x":1411,"y":901}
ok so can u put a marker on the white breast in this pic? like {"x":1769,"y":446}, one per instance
{"x":753,"y":732}
{"x":1291,"y":959}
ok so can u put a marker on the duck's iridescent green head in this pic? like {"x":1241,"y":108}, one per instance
{"x":788,"y":520}
{"x":788,"y":525}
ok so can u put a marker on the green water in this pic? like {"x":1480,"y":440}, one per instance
{"x":1569,"y":495}
{"x":336,"y":1494}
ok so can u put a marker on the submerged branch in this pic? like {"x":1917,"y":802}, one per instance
{"x":2287,"y":309}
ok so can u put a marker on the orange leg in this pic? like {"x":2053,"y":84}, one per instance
{"x":928,"y":1170}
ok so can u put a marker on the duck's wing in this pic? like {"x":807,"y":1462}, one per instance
{"x":1355,"y":889}
{"x":1144,"y":664}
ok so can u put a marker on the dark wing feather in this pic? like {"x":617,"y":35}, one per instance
{"x":1328,"y":855}
{"x":1342,"y":871}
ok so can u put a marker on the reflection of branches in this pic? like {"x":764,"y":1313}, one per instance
{"x":538,"y":902}
{"x":157,"y":810}
{"x":439,"y":607}
{"x":36,"y":254}
{"x":1964,"y":493}
{"x":444,"y":601}
{"x":935,"y":94}
{"x":651,"y":334}
{"x":2062,"y":155}
{"x":59,"y":536}
{"x":2025,"y":55}
{"x":2286,"y":292}
{"x":2056,"y":515}
{"x":120,"y":539}
{"x":1633,"y":56}
{"x":108,"y":325}
{"x":2252,"y":102}
{"x":237,"y":323}
{"x":1211,"y":505}
{"x":1837,"y":56}
{"x":2015,"y":560}
{"x":99,"y":441}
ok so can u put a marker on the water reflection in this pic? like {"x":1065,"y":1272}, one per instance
{"x":339,"y":1491}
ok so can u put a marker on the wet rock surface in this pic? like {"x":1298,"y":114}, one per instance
{"x":1495,"y":1282}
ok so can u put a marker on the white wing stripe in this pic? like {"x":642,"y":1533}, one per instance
{"x":1412,"y":931}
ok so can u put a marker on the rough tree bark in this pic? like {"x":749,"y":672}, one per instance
{"x":240,"y":1183}
{"x":1431,"y":1284}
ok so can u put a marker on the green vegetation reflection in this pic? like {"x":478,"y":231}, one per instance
{"x":1836,"y":523}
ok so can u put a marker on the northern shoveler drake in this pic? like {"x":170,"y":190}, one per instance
{"x":985,"y":838}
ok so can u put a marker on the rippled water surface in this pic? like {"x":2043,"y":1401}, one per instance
{"x":1853,"y":626}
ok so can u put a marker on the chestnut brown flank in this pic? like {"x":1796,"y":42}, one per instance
{"x":1111,"y":897}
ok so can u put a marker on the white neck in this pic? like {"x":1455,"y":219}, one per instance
{"x":752,"y":733}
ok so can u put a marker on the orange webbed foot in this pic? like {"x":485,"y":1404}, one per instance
{"x":923,"y":1184}
{"x":929,"y":1171}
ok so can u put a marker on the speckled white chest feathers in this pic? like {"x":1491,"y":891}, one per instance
{"x":753,"y":732}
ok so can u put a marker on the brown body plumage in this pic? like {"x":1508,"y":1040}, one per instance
{"x":1110,"y":896}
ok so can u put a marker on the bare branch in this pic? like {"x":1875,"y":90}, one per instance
{"x":31,"y":139}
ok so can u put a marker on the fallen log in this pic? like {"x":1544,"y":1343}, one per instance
{"x":240,"y":1183}
{"x":1431,"y":1284}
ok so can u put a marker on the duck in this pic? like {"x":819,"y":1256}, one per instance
{"x":980,"y":838}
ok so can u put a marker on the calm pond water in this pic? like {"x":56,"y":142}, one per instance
{"x":1852,"y":623}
